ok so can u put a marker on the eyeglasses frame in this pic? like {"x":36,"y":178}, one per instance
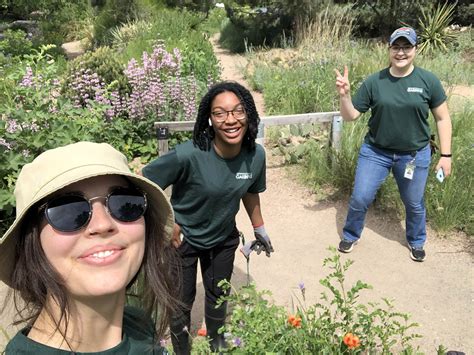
{"x":404,"y":49}
{"x":239,"y":106}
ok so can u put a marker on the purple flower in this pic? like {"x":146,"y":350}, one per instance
{"x":238,"y":342}
{"x":301,"y":286}
{"x":12,"y":126}
{"x":4,"y":143}
{"x":27,"y":80}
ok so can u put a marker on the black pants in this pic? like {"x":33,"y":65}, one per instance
{"x":217,"y":264}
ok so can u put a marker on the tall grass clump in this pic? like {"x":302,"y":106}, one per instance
{"x":450,"y":204}
{"x":329,"y":30}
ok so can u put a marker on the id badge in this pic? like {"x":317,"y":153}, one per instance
{"x":409,"y":170}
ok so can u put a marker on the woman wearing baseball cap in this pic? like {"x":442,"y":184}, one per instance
{"x":400,"y":99}
{"x":86,"y":233}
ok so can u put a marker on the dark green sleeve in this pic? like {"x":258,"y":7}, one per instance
{"x":361,"y":100}
{"x":165,"y":170}
{"x":438,"y":96}
{"x":260,"y":183}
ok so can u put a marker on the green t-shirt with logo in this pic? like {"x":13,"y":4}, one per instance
{"x":138,"y":339}
{"x":399,"y":108}
{"x":207,"y":189}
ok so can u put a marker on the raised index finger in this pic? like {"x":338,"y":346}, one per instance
{"x":338,"y":74}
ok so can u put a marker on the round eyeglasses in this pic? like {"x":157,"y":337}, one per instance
{"x":220,"y":115}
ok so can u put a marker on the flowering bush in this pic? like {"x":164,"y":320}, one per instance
{"x":158,"y":89}
{"x":336,"y":325}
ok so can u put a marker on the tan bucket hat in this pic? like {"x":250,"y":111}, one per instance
{"x":60,"y":167}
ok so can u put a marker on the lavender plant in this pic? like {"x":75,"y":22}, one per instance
{"x":158,"y":89}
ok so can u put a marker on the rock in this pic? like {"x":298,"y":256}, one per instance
{"x":73,"y":49}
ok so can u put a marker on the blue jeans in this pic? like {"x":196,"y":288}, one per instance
{"x":373,"y":166}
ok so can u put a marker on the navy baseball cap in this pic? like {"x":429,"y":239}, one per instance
{"x":407,"y":32}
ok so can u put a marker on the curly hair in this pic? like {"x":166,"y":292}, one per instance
{"x":204,"y":134}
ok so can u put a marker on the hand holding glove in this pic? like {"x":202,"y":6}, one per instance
{"x":262,"y":241}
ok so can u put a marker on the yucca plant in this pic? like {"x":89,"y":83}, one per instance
{"x":123,"y":34}
{"x":433,"y":24}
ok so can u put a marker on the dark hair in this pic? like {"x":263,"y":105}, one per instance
{"x":154,"y":287}
{"x":204,"y":133}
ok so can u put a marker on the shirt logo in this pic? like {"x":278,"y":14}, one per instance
{"x":243,"y":176}
{"x":419,"y":90}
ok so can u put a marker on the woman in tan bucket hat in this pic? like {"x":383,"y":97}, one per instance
{"x":87,"y":231}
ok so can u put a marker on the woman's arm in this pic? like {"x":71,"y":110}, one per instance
{"x":252,"y":206}
{"x":443,"y":125}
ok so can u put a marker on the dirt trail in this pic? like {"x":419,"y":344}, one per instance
{"x":439,"y":293}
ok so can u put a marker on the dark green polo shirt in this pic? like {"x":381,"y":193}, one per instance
{"x":138,"y":339}
{"x":399,"y":108}
{"x":207,"y":189}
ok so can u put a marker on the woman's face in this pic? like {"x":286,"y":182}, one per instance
{"x":402,"y":54}
{"x":229,"y":121}
{"x":102,"y":257}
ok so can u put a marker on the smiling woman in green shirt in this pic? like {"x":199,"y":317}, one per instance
{"x":87,"y":231}
{"x":210,"y":175}
{"x":400,"y":99}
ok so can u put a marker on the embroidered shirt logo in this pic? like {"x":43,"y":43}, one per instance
{"x":243,"y":176}
{"x":419,"y":90}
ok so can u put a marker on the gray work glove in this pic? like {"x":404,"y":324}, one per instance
{"x":262,"y":241}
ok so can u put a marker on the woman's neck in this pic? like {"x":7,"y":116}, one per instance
{"x":93,"y":325}
{"x":401,"y":72}
{"x":227,"y":151}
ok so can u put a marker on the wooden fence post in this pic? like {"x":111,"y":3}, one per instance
{"x":336,"y":137}
{"x":336,"y":132}
{"x":261,"y":134}
{"x":162,"y":134}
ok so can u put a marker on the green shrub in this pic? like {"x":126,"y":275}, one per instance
{"x":67,"y":21}
{"x":15,"y":43}
{"x":104,"y":62}
{"x":254,"y":27}
{"x":114,"y":13}
{"x":379,"y":18}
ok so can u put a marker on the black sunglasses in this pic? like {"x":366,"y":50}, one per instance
{"x":71,"y":212}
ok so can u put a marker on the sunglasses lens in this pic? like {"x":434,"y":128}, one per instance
{"x":68,"y":213}
{"x":127,"y":205}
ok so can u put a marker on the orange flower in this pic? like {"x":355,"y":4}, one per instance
{"x":352,"y":341}
{"x":202,"y":332}
{"x":294,"y":321}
